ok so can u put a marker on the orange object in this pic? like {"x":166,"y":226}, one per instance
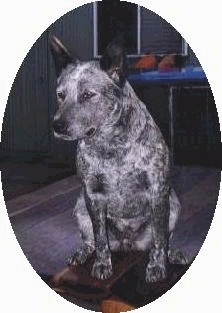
{"x":167,"y":63}
{"x":148,"y":62}
{"x":115,"y":306}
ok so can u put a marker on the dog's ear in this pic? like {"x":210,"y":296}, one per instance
{"x":114,"y":61}
{"x":61,"y":55}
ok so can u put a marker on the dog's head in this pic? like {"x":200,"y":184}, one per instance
{"x":88,"y":93}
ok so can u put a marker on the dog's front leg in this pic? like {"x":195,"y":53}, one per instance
{"x":97,"y":208}
{"x":156,"y":268}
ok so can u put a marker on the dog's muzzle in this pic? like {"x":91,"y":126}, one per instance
{"x":60,"y":127}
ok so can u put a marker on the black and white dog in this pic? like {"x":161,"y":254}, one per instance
{"x":126,"y":201}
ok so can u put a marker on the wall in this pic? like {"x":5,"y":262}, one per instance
{"x":31,"y":103}
{"x":25,"y":125}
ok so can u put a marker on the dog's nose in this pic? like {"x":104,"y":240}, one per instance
{"x":59,"y":126}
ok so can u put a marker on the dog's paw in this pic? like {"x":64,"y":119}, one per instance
{"x":155,"y":273}
{"x":177,"y":257}
{"x":102,"y":270}
{"x":80,"y":256}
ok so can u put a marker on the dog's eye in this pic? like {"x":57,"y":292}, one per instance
{"x":61,"y":95}
{"x":86,"y":96}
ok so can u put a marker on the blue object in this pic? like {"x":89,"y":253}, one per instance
{"x":186,"y":75}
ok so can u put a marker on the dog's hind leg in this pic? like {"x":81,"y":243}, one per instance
{"x":86,"y":233}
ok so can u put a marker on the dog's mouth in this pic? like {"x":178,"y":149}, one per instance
{"x":66,"y":137}
{"x":90,"y":132}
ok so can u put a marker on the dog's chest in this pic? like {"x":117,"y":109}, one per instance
{"x":123,"y":182}
{"x":122,"y":170}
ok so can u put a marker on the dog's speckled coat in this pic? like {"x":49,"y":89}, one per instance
{"x":126,"y":200}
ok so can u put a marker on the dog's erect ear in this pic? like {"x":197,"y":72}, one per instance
{"x":114,"y":61}
{"x":61,"y":55}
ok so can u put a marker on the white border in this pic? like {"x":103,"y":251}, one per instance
{"x":21,"y":22}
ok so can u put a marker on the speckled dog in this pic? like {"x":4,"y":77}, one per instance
{"x":126,"y":201}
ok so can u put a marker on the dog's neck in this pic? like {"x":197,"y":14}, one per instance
{"x":128,"y":119}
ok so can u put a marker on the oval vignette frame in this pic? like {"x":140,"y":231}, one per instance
{"x":177,"y":283}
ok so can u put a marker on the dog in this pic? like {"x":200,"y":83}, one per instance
{"x":126,"y":202}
